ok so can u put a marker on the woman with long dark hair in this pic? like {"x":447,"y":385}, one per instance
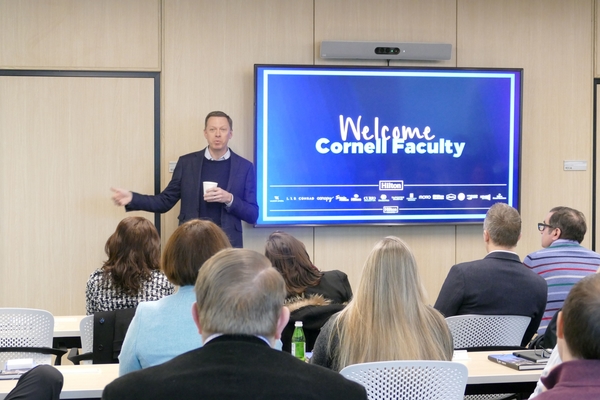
{"x":132,"y":272}
{"x":302,"y":279}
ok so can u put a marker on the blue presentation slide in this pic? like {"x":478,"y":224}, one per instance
{"x":385,"y":146}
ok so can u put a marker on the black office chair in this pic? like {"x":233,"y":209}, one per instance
{"x":110,"y":328}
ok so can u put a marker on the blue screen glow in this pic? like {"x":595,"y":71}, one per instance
{"x":377,"y":145}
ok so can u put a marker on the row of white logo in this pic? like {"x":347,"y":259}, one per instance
{"x":384,"y":198}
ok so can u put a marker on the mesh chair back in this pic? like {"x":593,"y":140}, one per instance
{"x":410,"y":379}
{"x":86,"y":331}
{"x":25,"y":327}
{"x":487,"y":330}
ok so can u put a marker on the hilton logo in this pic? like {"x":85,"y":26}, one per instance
{"x":391,"y":185}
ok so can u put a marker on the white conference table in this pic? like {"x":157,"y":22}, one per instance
{"x":67,"y":326}
{"x":486,"y":376}
{"x":88,"y":381}
{"x":80,"y":381}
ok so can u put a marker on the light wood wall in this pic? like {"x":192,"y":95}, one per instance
{"x":205,"y":51}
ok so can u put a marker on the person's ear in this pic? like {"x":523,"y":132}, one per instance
{"x":196,"y":317}
{"x":556,"y":232}
{"x":486,"y":236}
{"x":284,"y":317}
{"x":560,"y":330}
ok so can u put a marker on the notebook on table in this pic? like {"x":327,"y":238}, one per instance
{"x":515,"y":362}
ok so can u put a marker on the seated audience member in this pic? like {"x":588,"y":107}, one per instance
{"x":132,"y":272}
{"x":388,"y":318}
{"x":498,"y":284}
{"x":288,"y":255}
{"x":43,"y":382}
{"x":553,"y":361}
{"x":163,"y":329}
{"x":239,"y":312}
{"x":578,"y":330}
{"x":563,"y":261}
{"x":312,"y":296}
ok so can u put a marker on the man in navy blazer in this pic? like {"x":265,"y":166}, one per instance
{"x":234,"y":198}
{"x":499,"y":284}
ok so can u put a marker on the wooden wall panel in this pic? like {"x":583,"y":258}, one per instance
{"x":552,"y":41}
{"x":65,"y":141}
{"x":80,"y":34}
{"x":210,"y":51}
{"x":386,"y":20}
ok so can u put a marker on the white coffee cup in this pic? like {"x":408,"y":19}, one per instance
{"x":209,"y":185}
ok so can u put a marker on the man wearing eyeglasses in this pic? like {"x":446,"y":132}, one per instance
{"x":498,"y":284}
{"x":563,"y":261}
{"x":231,"y":201}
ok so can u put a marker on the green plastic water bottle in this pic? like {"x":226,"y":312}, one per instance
{"x":298,"y":341}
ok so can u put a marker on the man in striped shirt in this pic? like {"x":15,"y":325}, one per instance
{"x":562,"y":261}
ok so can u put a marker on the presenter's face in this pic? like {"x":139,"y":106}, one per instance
{"x":217,"y":134}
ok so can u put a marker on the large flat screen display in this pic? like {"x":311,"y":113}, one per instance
{"x":382,"y":145}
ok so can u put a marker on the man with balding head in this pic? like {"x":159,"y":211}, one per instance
{"x":498,"y":284}
{"x":563,"y":261}
{"x":240,"y":314}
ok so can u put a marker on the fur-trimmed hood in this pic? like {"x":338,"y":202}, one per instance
{"x":298,"y":302}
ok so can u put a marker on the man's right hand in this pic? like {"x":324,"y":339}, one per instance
{"x":121,"y":197}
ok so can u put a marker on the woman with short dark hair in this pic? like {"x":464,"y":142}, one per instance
{"x":164,"y":329}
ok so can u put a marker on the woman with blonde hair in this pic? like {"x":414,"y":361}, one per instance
{"x":388,"y":318}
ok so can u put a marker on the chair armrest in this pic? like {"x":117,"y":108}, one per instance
{"x":40,"y":350}
{"x":76,"y":358}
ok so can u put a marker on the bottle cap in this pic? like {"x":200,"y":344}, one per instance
{"x":298,"y":323}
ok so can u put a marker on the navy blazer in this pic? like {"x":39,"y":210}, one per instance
{"x":499,"y":284}
{"x":185,"y":185}
{"x":234,"y":368}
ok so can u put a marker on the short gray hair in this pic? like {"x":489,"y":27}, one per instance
{"x":503,"y":224}
{"x":239,"y":292}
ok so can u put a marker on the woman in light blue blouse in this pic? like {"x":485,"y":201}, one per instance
{"x":164,"y":329}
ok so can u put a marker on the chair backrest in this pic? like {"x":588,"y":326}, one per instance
{"x":472,"y":330}
{"x":25,"y":327}
{"x":110,"y":328}
{"x":86,"y":332}
{"x":430,"y":380}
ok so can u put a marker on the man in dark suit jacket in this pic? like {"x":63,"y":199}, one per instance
{"x":239,"y":313}
{"x":233,"y":200}
{"x":499,"y":284}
